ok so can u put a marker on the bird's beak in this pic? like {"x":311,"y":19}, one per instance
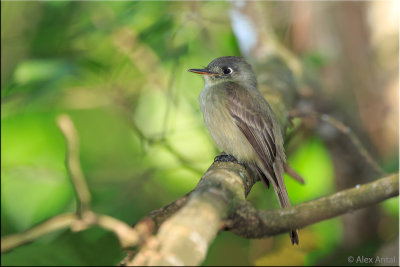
{"x":202,"y":71}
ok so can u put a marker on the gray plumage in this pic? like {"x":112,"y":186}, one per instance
{"x":242,"y":123}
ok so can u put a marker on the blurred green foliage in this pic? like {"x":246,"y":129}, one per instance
{"x":119,"y":70}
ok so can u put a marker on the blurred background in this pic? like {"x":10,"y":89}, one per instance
{"x":119,"y":69}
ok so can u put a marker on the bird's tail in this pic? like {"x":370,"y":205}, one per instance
{"x":294,"y":237}
{"x":279,"y":187}
{"x":283,"y":197}
{"x":283,"y":200}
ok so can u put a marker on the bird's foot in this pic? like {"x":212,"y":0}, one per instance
{"x":223,"y":157}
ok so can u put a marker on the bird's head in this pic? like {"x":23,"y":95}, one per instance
{"x":228,"y":69}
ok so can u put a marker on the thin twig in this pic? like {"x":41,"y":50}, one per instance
{"x":127,"y":236}
{"x":73,"y":163}
{"x":84,"y":217}
{"x":356,"y":142}
{"x":51,"y":225}
{"x":341,"y":127}
{"x":293,"y":174}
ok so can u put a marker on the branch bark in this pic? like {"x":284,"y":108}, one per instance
{"x":184,"y":238}
{"x":250,"y":223}
{"x":218,"y":203}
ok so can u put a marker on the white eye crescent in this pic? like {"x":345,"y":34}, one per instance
{"x":227,"y":70}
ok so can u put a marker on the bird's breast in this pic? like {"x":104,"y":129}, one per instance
{"x":222,"y":127}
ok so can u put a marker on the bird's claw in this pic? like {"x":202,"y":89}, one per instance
{"x":223,"y":157}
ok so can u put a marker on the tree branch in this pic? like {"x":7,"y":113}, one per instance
{"x":158,"y":216}
{"x":218,"y":202}
{"x":250,"y":223}
{"x":184,"y":238}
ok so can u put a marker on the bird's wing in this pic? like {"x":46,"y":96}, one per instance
{"x":250,"y":113}
{"x":256,"y":126}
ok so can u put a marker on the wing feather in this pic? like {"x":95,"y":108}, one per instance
{"x":256,"y":127}
{"x":250,"y":113}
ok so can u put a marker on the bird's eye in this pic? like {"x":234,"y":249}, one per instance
{"x":227,"y":70}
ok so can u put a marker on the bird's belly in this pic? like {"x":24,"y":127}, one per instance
{"x":225,"y":133}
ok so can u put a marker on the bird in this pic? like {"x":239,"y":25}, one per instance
{"x":243,"y":124}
